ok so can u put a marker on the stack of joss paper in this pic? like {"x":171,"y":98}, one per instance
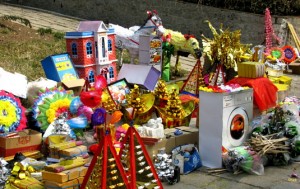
{"x":67,"y":173}
{"x":67,"y":149}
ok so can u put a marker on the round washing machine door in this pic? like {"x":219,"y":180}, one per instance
{"x":237,"y":128}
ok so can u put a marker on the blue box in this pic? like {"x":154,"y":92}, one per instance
{"x":59,"y":68}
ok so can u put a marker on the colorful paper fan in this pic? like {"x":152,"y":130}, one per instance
{"x":277,"y":53}
{"x":289,"y":54}
{"x":148,"y":99}
{"x":12,"y":113}
{"x":50,"y":104}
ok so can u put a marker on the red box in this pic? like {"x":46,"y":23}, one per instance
{"x":23,"y":141}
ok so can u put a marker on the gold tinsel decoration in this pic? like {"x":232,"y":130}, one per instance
{"x":135,"y":100}
{"x":225,"y":47}
{"x":161,"y":90}
{"x":174,"y":106}
{"x":108,"y":102}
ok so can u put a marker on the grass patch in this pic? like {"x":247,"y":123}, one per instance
{"x":22,"y":48}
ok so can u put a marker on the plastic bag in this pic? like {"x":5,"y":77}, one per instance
{"x":187,"y":158}
{"x":34,"y":87}
{"x":243,"y":158}
{"x":292,"y":129}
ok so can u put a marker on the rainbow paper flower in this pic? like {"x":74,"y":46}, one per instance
{"x":12,"y":113}
{"x":50,"y":104}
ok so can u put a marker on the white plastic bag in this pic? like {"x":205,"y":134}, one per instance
{"x":34,"y":87}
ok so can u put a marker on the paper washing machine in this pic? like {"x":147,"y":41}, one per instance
{"x":224,"y":123}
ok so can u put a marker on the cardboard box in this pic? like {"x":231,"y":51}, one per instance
{"x":142,"y":75}
{"x":190,"y":135}
{"x":295,"y":67}
{"x":59,"y":68}
{"x":166,"y":143}
{"x":23,"y":141}
{"x":74,"y":85}
{"x":187,"y":138}
{"x":72,"y":184}
{"x":64,"y":176}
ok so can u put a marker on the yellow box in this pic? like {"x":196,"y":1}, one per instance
{"x":274,"y":79}
{"x":285,"y":80}
{"x":65,"y":175}
{"x":72,"y":184}
{"x":251,"y":69}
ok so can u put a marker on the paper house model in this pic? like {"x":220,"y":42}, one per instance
{"x":92,"y":50}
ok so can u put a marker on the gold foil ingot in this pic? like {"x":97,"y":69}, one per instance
{"x":112,"y":166}
{"x":22,"y":175}
{"x":147,"y":184}
{"x":113,"y":172}
{"x":30,"y":169}
{"x":140,"y":158}
{"x":16,"y":168}
{"x":120,"y":184}
{"x":147,"y":168}
{"x":112,"y":186}
{"x":114,"y":178}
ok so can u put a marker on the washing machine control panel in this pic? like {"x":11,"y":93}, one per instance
{"x":237,"y":98}
{"x":228,"y":101}
{"x":242,"y":98}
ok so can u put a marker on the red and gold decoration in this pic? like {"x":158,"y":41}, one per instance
{"x":176,"y":113}
{"x":194,"y":80}
{"x":139,"y":168}
{"x":161,"y":91}
{"x":107,"y":101}
{"x":105,"y":170}
{"x":142,"y":105}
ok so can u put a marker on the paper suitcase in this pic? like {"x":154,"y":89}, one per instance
{"x":251,"y":69}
